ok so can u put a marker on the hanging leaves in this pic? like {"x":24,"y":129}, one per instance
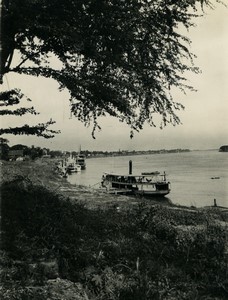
{"x":120,"y":58}
{"x":12,"y":98}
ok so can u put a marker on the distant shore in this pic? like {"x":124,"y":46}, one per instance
{"x":96,"y":154}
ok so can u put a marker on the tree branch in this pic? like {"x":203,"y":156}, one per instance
{"x":23,"y":61}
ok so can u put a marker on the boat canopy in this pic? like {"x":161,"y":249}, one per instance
{"x":151,"y":174}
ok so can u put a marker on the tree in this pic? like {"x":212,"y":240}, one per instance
{"x":13,"y":97}
{"x":4,"y":148}
{"x":120,"y":58}
{"x":56,"y":153}
{"x":19,"y":147}
{"x":36,"y":152}
{"x":26,"y":149}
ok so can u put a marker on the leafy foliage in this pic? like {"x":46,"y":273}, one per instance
{"x":142,"y":253}
{"x":120,"y":58}
{"x":39,"y":130}
{"x":13,"y":97}
{"x":4,"y":148}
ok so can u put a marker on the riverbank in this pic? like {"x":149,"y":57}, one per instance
{"x":60,"y":241}
{"x":43,"y":172}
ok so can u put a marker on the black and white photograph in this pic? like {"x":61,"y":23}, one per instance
{"x":114,"y":150}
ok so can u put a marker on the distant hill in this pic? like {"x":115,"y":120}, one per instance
{"x":223,"y":148}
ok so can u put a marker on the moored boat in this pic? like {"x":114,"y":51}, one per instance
{"x":80,"y":160}
{"x":223,"y":148}
{"x":72,"y":166}
{"x":145,"y":184}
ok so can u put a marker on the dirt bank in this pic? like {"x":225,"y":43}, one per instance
{"x":43,"y":172}
{"x":55,"y":248}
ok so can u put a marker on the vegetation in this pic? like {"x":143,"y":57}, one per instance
{"x":7,"y":152}
{"x":120,"y":58}
{"x":12,"y":98}
{"x":141,"y":253}
{"x":36,"y":152}
{"x":4,"y":148}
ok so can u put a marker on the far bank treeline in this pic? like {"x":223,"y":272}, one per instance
{"x":24,"y":152}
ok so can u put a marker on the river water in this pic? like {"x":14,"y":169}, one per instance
{"x":190,"y":174}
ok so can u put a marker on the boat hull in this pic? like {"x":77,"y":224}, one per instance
{"x":130,"y":192}
{"x":80,"y":160}
{"x":73,"y":169}
{"x":152,"y":193}
{"x":83,"y":167}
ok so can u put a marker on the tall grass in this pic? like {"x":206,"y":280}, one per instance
{"x":140,"y":253}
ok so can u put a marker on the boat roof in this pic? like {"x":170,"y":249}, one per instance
{"x":133,"y":175}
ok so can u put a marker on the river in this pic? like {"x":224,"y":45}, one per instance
{"x":190,"y":174}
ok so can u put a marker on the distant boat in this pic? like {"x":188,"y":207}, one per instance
{"x":223,"y":148}
{"x":72,"y":166}
{"x":146,"y":184}
{"x":61,"y":168}
{"x":80,"y":160}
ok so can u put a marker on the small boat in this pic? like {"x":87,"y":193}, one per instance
{"x":80,"y":160}
{"x":145,"y":184}
{"x":223,"y":148}
{"x":73,"y":168}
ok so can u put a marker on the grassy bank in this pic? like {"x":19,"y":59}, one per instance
{"x":56,"y":248}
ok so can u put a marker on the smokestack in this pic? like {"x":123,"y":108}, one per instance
{"x":130,"y":167}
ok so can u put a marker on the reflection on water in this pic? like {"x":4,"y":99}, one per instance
{"x":190,"y":174}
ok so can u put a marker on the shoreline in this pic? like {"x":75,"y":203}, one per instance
{"x":56,"y":233}
{"x":43,"y":172}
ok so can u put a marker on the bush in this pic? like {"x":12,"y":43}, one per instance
{"x":140,"y":253}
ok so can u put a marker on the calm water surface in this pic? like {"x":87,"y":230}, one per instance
{"x":190,"y":174}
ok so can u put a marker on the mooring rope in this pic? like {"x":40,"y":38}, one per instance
{"x":95,"y":184}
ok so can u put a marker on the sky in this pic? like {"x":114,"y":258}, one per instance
{"x":204,"y":120}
